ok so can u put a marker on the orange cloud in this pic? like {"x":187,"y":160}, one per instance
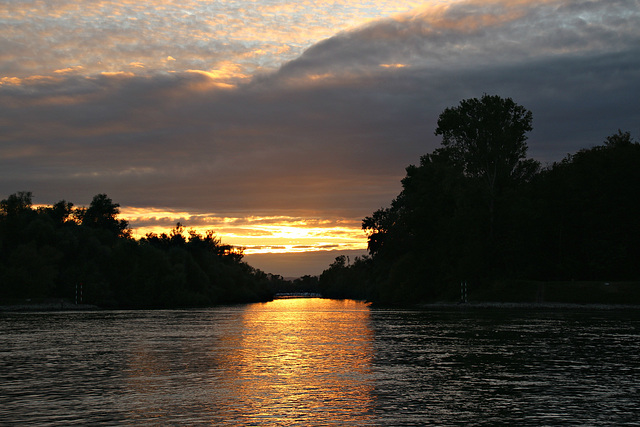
{"x":15,"y":81}
{"x":225,"y":76}
{"x":394,"y":65}
{"x":68,"y":70}
{"x":474,"y":15}
{"x":117,"y":74}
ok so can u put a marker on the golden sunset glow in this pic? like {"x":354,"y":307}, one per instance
{"x":269,"y":234}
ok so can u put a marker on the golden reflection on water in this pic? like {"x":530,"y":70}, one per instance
{"x":301,"y":360}
{"x":289,"y":361}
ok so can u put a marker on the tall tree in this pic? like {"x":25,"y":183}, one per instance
{"x":102,"y":213}
{"x":487,"y":138}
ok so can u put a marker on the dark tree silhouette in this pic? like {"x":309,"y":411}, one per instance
{"x":60,"y":212}
{"x":487,"y":138}
{"x":49,"y":251}
{"x":102,"y":213}
{"x":620,"y":139}
{"x":477,"y":210}
{"x":16,"y":204}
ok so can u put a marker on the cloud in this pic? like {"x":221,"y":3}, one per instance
{"x":275,"y":234}
{"x":476,"y":34}
{"x":41,"y":37}
{"x":68,"y":70}
{"x":330,"y":132}
{"x":573,"y":63}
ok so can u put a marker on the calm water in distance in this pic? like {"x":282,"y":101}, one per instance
{"x":320,"y":362}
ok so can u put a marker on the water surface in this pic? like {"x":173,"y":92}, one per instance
{"x":320,"y":362}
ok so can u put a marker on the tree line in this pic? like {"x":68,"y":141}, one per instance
{"x":61,"y":250}
{"x":477,"y":210}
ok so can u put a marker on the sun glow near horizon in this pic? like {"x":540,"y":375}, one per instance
{"x":256,"y":234}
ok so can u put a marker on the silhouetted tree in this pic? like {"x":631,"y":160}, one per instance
{"x":345,"y":279}
{"x":458,"y":211}
{"x":620,"y":139}
{"x":589,"y":213}
{"x":60,"y":212}
{"x":102,"y":213}
{"x":15,"y":215}
{"x":47,"y":252}
{"x":16,"y":204}
{"x":487,"y":138}
{"x":377,"y":226}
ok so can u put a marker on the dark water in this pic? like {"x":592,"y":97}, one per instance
{"x":320,"y":362}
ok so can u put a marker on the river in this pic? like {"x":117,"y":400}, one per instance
{"x":320,"y":362}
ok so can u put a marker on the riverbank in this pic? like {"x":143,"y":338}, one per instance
{"x":529,"y":294}
{"x":49,"y":304}
{"x":526,"y":306}
{"x":557,"y":294}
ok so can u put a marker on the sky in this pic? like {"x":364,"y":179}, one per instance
{"x":281,"y":124}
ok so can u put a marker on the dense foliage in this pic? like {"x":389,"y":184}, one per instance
{"x":57,"y":251}
{"x":480,"y":212}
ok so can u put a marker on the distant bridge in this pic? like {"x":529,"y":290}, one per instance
{"x":282,"y":295}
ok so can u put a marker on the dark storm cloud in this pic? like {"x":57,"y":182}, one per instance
{"x":332,"y":131}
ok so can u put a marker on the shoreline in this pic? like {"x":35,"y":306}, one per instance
{"x":529,"y":306}
{"x":51,"y":305}
{"x":63,"y":305}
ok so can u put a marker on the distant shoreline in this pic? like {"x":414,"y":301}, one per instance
{"x":63,"y":305}
{"x":530,"y":306}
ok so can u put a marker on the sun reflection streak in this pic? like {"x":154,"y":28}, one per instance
{"x":300,"y":360}
{"x":286,"y":362}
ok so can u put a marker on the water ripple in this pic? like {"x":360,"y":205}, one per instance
{"x":320,"y":362}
